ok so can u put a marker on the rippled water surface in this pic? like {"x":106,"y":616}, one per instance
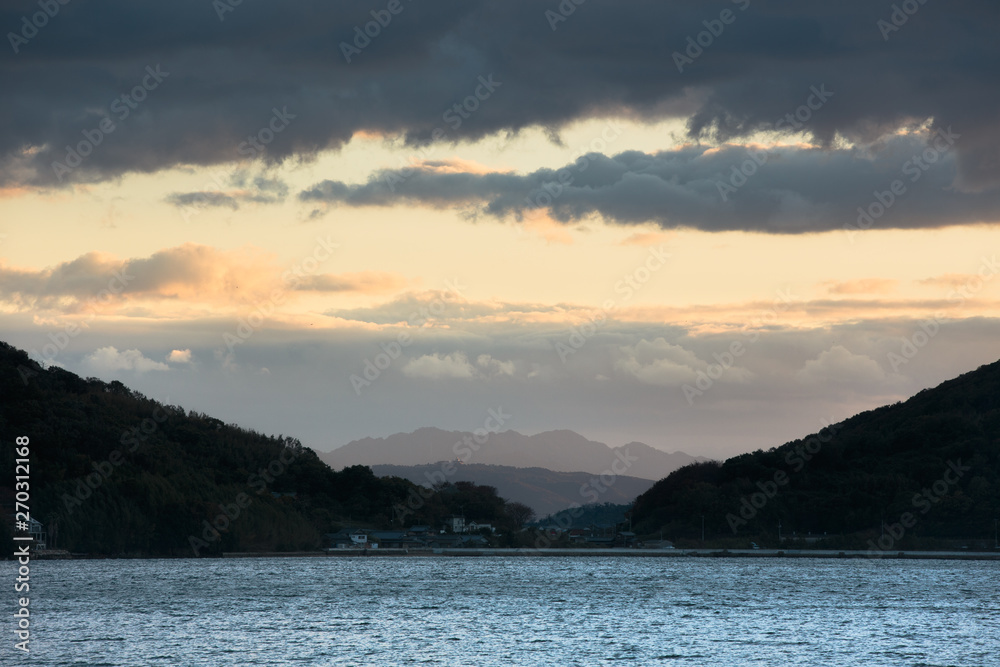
{"x":514,"y":611}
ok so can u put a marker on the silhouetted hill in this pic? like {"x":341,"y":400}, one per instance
{"x":559,"y":451}
{"x":113,"y":472}
{"x":932,"y":462}
{"x":545,"y":491}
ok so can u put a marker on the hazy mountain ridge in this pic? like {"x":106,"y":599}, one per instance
{"x":545,"y":491}
{"x":558,"y":451}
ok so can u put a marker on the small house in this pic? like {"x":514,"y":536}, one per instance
{"x":476,"y":527}
{"x":346,"y":539}
{"x":38,"y":532}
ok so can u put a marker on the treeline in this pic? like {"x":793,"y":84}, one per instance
{"x":925,"y":472}
{"x":597,"y":514}
{"x":114,"y":472}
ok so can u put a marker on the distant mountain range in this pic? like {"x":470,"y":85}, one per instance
{"x":558,"y":451}
{"x":545,"y":491}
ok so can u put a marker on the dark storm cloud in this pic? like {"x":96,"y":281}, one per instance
{"x":228,"y":72}
{"x":788,"y":190}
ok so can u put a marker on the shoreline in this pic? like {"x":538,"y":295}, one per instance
{"x":628,"y":553}
{"x":559,"y":553}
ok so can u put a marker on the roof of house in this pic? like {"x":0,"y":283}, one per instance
{"x":344,"y":533}
{"x":388,"y":535}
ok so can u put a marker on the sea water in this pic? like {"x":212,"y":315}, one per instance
{"x":511,"y":611}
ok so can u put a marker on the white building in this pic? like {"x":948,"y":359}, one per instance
{"x":455,"y":524}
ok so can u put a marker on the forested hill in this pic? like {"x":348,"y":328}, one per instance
{"x":929,"y":467}
{"x":113,"y":472}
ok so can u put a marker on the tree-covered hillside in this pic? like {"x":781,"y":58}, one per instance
{"x":927,"y":469}
{"x":113,"y":472}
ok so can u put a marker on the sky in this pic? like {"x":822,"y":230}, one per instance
{"x":707,"y":226}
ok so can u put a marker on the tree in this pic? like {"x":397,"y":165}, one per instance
{"x":520,"y":514}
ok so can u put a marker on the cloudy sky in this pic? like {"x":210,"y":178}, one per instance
{"x":708,"y":226}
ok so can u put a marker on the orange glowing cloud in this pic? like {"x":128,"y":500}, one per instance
{"x":646,"y":239}
{"x":457,"y":166}
{"x":194,"y":278}
{"x":539,"y":222}
{"x":364,"y":282}
{"x":864,"y":286}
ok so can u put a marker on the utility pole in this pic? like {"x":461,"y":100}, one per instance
{"x":779,"y":531}
{"x":702,"y":527}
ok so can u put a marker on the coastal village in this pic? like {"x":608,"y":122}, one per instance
{"x":456,"y":533}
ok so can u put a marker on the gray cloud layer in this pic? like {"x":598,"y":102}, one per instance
{"x":230,"y":76}
{"x":788,"y":190}
{"x":618,"y":387}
